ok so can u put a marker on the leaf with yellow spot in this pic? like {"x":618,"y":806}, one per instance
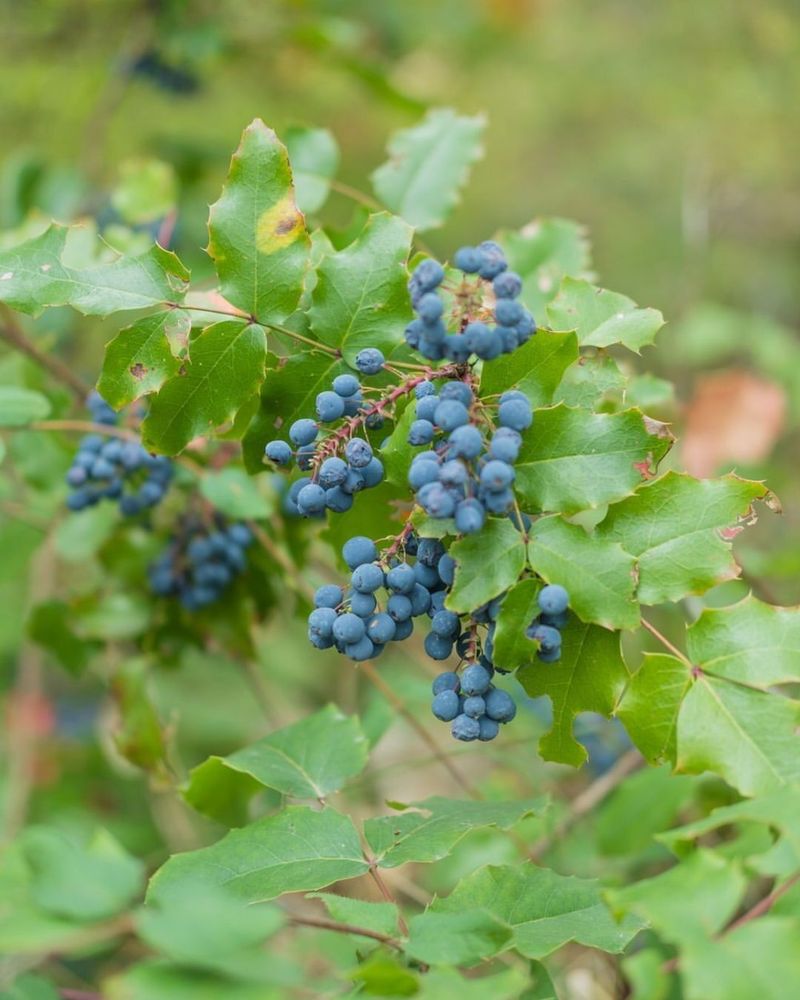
{"x":257,"y":234}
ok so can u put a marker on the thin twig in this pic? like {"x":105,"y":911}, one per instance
{"x":667,"y":644}
{"x":399,"y":705}
{"x":13,"y":334}
{"x":340,"y":928}
{"x":588,"y":800}
{"x":86,"y":427}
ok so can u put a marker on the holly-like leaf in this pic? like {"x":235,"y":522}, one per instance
{"x":589,"y":677}
{"x":306,"y":760}
{"x":487,"y":563}
{"x":84,"y":883}
{"x":694,"y":899}
{"x":676,"y":527}
{"x":33,"y":277}
{"x":545,"y":910}
{"x":299,"y":849}
{"x":572,"y":460}
{"x":651,"y":703}
{"x":257,"y":234}
{"x":20,"y":407}
{"x":160,"y":980}
{"x":287,"y":394}
{"x":464,"y":937}
{"x":746,"y":736}
{"x":428,"y":165}
{"x":226,"y":367}
{"x":50,"y":625}
{"x":360,"y":298}
{"x":429,"y":830}
{"x":139,"y":735}
{"x":235,"y":494}
{"x":536,"y":368}
{"x":314,"y":156}
{"x":140,"y":359}
{"x":380,"y":917}
{"x":511,"y":647}
{"x":598,"y":574}
{"x":602,"y":318}
{"x":750,"y":642}
{"x":542,"y":253}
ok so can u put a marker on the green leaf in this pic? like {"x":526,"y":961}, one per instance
{"x":299,"y":849}
{"x":679,"y":528}
{"x":140,"y":359}
{"x":235,"y":494}
{"x":382,"y":975}
{"x":314,"y":157}
{"x":750,"y":642}
{"x":536,"y":368}
{"x":602,"y":318}
{"x":487,"y":563}
{"x":458,"y":938}
{"x":780,"y":809}
{"x":757,"y":959}
{"x":428,"y":830}
{"x":589,"y":677}
{"x":441,"y":983}
{"x":29,"y":987}
{"x":288,"y":393}
{"x":380,"y":917}
{"x":82,"y":883}
{"x":746,"y":736}
{"x":257,"y":234}
{"x":511,"y":647}
{"x":651,"y":703}
{"x":542,"y":253}
{"x":158,"y":980}
{"x":115,"y":617}
{"x":545,"y":910}
{"x":572,"y":459}
{"x":226,"y":367}
{"x":694,"y":899}
{"x":427,"y":166}
{"x":598,"y":574}
{"x":643,"y":805}
{"x":360,"y":299}
{"x":307,"y":760}
{"x":20,"y":407}
{"x":396,"y":452}
{"x":50,"y":626}
{"x":33,"y":276}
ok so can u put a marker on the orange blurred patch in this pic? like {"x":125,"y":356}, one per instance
{"x":734,"y":417}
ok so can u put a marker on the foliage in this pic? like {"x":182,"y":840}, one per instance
{"x":426,"y":894}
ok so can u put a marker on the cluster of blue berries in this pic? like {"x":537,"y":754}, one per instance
{"x":546,"y":628}
{"x":335,"y":478}
{"x":471,"y":703}
{"x":358,"y":624}
{"x":199,"y":563}
{"x":112,"y":469}
{"x":462,"y":475}
{"x":485,"y":329}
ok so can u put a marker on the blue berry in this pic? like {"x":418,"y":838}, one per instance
{"x":358,"y":453}
{"x":403,"y":630}
{"x":446,"y":624}
{"x":437,"y":647}
{"x":453,"y":473}
{"x":349,"y":628}
{"x":361,"y":650}
{"x":328,"y":596}
{"x":303,"y":432}
{"x":363,"y":605}
{"x":505,"y":445}
{"x":430,"y":307}
{"x":320,"y":622}
{"x":508,"y":312}
{"x":428,"y":275}
{"x":359,"y":550}
{"x":470,"y":516}
{"x":465,"y":729}
{"x":426,"y":407}
{"x":311,"y":499}
{"x":421,"y":473}
{"x":445,"y":705}
{"x":332,"y":472}
{"x":430,"y":551}
{"x":553,"y":599}
{"x":420,"y":432}
{"x":475,"y":679}
{"x":457,"y":390}
{"x":494,"y":260}
{"x":399,"y":607}
{"x":516,"y":414}
{"x":369,"y":361}
{"x":354,"y":482}
{"x":465,"y":442}
{"x":373,"y":472}
{"x":330,"y":406}
{"x":457,"y":349}
{"x":496,"y":475}
{"x":549,"y":638}
{"x":474,"y":706}
{"x":381,"y":628}
{"x":488,"y":729}
{"x":420,"y":598}
{"x":346,"y":385}
{"x":500,"y":705}
{"x":507,"y":285}
{"x":451,"y":414}
{"x":447,"y":569}
{"x":337,"y":500}
{"x":424,"y":388}
{"x":401,"y":579}
{"x":367,"y":578}
{"x":468,"y":259}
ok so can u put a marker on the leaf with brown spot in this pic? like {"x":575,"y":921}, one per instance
{"x":141,"y":358}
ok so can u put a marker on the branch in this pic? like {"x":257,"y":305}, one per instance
{"x":335,"y":925}
{"x":667,"y":644}
{"x":589,"y":799}
{"x":13,"y":334}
